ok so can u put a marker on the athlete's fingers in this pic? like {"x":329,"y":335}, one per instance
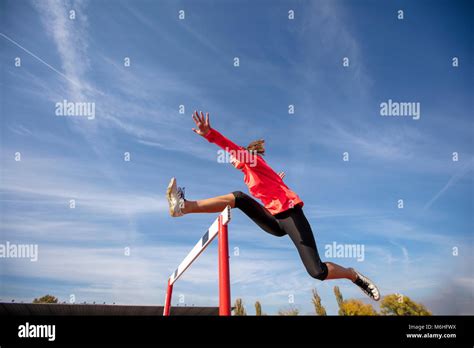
{"x":196,"y":120}
{"x":194,"y":130}
{"x":207,"y":120}
{"x":202,"y":117}
{"x":196,"y":116}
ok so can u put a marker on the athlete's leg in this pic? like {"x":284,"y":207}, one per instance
{"x":254,"y":210}
{"x":294,"y":222}
{"x":258,"y":213}
{"x":209,"y":205}
{"x":178,"y":205}
{"x":336,"y":271}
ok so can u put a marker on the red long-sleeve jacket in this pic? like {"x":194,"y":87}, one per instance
{"x":263,"y":182}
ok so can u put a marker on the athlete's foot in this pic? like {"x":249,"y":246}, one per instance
{"x":367,"y":286}
{"x":175,"y":196}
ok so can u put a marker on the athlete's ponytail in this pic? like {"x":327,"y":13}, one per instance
{"x":257,"y":146}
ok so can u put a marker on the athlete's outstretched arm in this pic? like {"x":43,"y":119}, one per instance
{"x":203,"y":128}
{"x":203,"y":124}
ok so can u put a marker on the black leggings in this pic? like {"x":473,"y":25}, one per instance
{"x":292,"y":222}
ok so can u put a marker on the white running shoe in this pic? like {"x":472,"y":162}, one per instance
{"x":367,"y":286}
{"x":175,"y":196}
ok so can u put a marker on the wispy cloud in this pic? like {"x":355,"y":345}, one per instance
{"x":71,"y":41}
{"x":6,"y":37}
{"x":393,"y":229}
{"x":465,"y":169}
{"x":57,"y":181}
{"x":21,"y":130}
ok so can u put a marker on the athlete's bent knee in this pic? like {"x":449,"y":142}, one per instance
{"x":238,"y":194}
{"x":239,"y":198}
{"x":319,"y":272}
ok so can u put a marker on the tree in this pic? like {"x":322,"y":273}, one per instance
{"x":352,"y":306}
{"x":318,"y":307}
{"x":46,"y":299}
{"x":290,"y":311}
{"x":258,"y":308}
{"x":357,"y":307}
{"x":402,"y":305}
{"x":340,"y":300}
{"x":239,"y":307}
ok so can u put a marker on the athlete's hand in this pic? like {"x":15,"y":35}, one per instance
{"x":281,"y":175}
{"x":203,"y":124}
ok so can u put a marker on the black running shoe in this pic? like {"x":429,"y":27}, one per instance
{"x":367,"y":286}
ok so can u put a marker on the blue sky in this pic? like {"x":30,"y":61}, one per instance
{"x":189,"y":62}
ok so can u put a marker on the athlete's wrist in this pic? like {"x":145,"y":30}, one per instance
{"x":208,"y":133}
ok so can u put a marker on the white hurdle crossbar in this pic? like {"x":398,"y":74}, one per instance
{"x":218,"y":228}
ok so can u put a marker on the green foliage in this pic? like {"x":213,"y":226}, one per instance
{"x":258,"y":308}
{"x":351,"y":306}
{"x":390,"y":305}
{"x":357,"y":307}
{"x":289,"y":311}
{"x":46,"y":299}
{"x":402,"y":305}
{"x":340,"y":300}
{"x":239,"y":308}
{"x":318,"y":307}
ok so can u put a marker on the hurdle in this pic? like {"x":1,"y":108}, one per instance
{"x":218,"y":228}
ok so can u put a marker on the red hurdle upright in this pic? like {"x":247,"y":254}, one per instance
{"x":224,"y":276}
{"x":218,"y":228}
{"x":169,"y":293}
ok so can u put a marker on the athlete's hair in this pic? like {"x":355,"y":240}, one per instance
{"x":257,"y":146}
